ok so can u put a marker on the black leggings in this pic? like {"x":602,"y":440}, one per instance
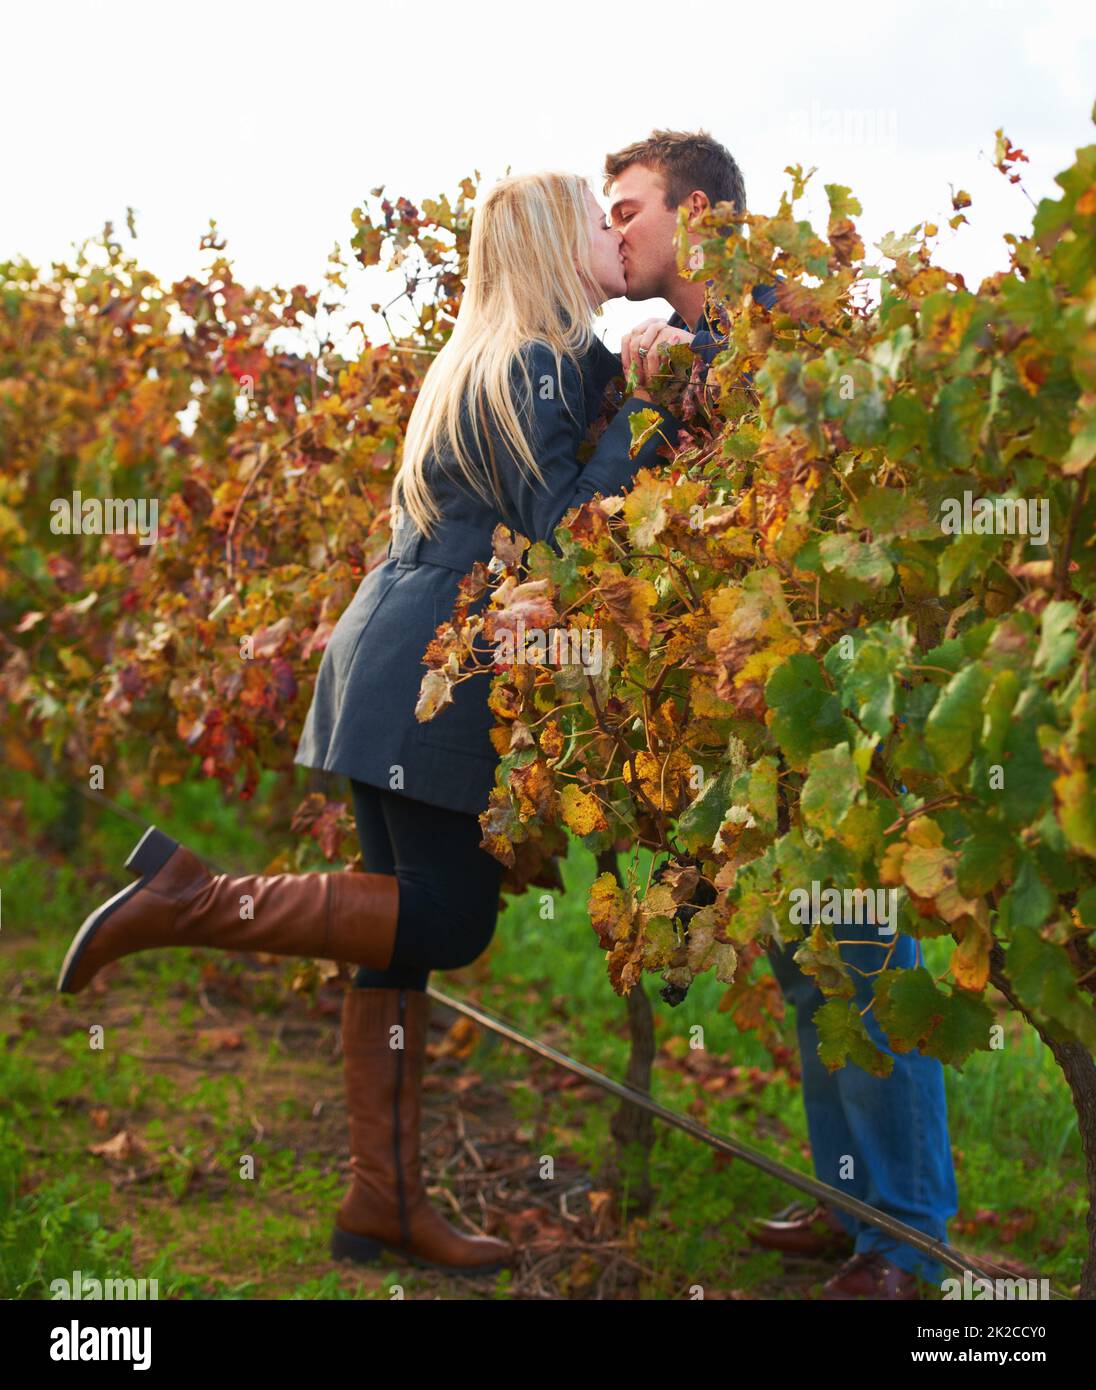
{"x":449,"y":887}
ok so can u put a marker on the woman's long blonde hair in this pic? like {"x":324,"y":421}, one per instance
{"x":529,"y":278}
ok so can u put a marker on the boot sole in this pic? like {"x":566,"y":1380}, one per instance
{"x":151,"y":853}
{"x":366,"y":1250}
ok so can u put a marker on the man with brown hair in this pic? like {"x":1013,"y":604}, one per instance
{"x":884,"y":1138}
{"x":647,"y":182}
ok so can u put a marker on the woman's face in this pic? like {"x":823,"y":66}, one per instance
{"x":606,"y":261}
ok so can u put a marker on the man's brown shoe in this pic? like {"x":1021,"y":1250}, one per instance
{"x":871,"y":1276}
{"x":386,"y":1208}
{"x":176,"y":901}
{"x":803,"y":1230}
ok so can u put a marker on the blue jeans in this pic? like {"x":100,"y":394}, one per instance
{"x":894,"y":1128}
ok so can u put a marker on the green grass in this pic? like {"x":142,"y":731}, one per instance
{"x":202,"y":1232}
{"x":1013,"y":1126}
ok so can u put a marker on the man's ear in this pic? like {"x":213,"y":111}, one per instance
{"x":697,"y":202}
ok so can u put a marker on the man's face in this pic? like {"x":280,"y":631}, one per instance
{"x":637,"y":209}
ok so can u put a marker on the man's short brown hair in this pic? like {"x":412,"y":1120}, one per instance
{"x":686,"y":160}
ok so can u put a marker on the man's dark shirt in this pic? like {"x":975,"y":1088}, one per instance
{"x":708,"y":342}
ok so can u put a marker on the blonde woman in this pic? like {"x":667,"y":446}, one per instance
{"x":493,"y":437}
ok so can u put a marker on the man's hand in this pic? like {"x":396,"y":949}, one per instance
{"x":643,"y":346}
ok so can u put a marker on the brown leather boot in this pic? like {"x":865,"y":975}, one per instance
{"x":869,"y":1275}
{"x":176,"y":901}
{"x":386,"y":1206}
{"x":802,"y":1230}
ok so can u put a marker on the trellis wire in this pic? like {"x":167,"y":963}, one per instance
{"x":939,"y":1250}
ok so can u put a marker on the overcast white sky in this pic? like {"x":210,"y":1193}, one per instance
{"x":278,"y":118}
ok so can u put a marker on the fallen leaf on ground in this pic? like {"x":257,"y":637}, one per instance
{"x":220,"y":1039}
{"x":123,"y":1148}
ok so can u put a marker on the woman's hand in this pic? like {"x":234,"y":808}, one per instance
{"x":639,"y":337}
{"x":641,"y":394}
{"x":643,"y":347}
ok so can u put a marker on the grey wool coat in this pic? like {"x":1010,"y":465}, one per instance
{"x":362,"y":718}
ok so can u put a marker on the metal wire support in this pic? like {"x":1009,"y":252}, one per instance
{"x":821,"y":1191}
{"x":947,"y":1254}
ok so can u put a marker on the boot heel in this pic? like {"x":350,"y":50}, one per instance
{"x":362,"y":1249}
{"x":152,"y":852}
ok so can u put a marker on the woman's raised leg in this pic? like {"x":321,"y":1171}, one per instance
{"x":449,"y":887}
